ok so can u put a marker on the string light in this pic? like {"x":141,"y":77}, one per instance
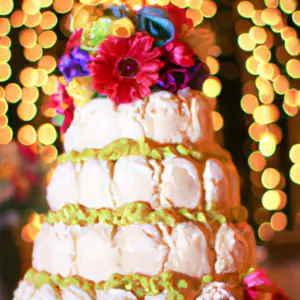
{"x":257,"y":41}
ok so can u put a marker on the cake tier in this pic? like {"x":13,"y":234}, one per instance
{"x":207,"y":181}
{"x":167,"y":286}
{"x":163,"y":117}
{"x":193,"y":248}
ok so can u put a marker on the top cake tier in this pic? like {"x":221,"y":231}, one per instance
{"x":164,"y":118}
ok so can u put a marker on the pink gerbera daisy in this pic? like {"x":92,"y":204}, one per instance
{"x":125,"y":68}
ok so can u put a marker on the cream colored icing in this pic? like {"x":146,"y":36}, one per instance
{"x":216,"y":291}
{"x":54,"y":250}
{"x":115,"y":294}
{"x":161,"y":296}
{"x":74,"y":293}
{"x":24,"y":291}
{"x":190,"y":252}
{"x":163,"y":117}
{"x":232,"y":251}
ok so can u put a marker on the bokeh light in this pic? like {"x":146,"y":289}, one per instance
{"x":28,"y":77}
{"x":47,"y":134}
{"x":270,"y":178}
{"x":33,"y":20}
{"x":265,"y":232}
{"x":257,"y":161}
{"x":34,"y":53}
{"x":49,"y":20}
{"x":4,"y":26}
{"x":48,"y":63}
{"x":30,"y":94}
{"x":31,"y":7}
{"x":267,"y":145}
{"x":212,"y":87}
{"x":3,"y":107}
{"x":28,"y":38}
{"x":6,"y":135}
{"x":27,"y":135}
{"x":218,"y":121}
{"x":279,"y":221}
{"x":5,"y":72}
{"x":26,"y":111}
{"x":47,"y":39}
{"x":271,"y":199}
{"x":295,"y":173}
{"x":18,"y":18}
{"x":295,"y":154}
{"x":249,"y":103}
{"x":62,"y":7}
{"x":6,"y":7}
{"x":13,"y":93}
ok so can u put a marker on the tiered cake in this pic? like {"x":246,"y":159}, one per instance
{"x":141,"y":204}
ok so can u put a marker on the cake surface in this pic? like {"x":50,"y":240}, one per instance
{"x":142,"y":200}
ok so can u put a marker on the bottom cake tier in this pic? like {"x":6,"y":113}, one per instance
{"x":167,"y":286}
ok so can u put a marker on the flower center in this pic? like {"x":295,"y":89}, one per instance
{"x":128,"y":67}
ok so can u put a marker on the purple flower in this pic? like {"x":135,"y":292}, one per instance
{"x":75,"y":64}
{"x":175,"y":78}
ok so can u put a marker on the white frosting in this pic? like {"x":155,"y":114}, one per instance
{"x":97,"y":258}
{"x":46,"y":292}
{"x":216,"y":291}
{"x":54,"y":250}
{"x":63,"y":188}
{"x":115,"y":294}
{"x":190,"y":252}
{"x":232,"y":251}
{"x":217,"y":188}
{"x":133,"y":180}
{"x":141,"y":249}
{"x":74,"y":293}
{"x":164,"y":118}
{"x":181,"y":185}
{"x":174,"y":182}
{"x":24,"y":291}
{"x":94,"y":180}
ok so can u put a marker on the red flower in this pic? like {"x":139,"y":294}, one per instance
{"x":125,"y":68}
{"x":64,"y":105}
{"x":179,"y":53}
{"x":74,"y":40}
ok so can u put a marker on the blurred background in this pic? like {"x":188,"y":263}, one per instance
{"x":253,"y":88}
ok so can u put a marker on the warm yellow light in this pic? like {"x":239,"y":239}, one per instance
{"x":4,"y":26}
{"x":281,"y":85}
{"x":28,"y":38}
{"x":5,"y":72}
{"x":212,"y":87}
{"x":6,"y":7}
{"x":271,"y":200}
{"x":6,"y":135}
{"x":288,"y":6}
{"x":257,"y":161}
{"x":62,"y":7}
{"x":49,"y":20}
{"x":246,"y":42}
{"x":257,"y":131}
{"x":252,"y":65}
{"x":296,"y":17}
{"x":28,"y":77}
{"x":13,"y":93}
{"x":292,"y":98}
{"x":33,"y":20}
{"x":258,"y":34}
{"x":265,"y":70}
{"x":290,"y":110}
{"x":208,"y":8}
{"x":47,"y":39}
{"x":26,"y":111}
{"x":31,"y":7}
{"x":47,"y":63}
{"x":27,"y":135}
{"x":270,"y":178}
{"x":266,"y":114}
{"x":295,"y":154}
{"x":17,"y":18}
{"x":213,"y":65}
{"x":265,"y":232}
{"x":262,"y":54}
{"x":257,"y":18}
{"x":50,"y":87}
{"x":293,"y":68}
{"x":34,"y":53}
{"x":30,"y":94}
{"x":3,"y":107}
{"x":5,"y":54}
{"x":47,"y":134}
{"x":267,"y":145}
{"x":3,"y":121}
{"x":271,"y":16}
{"x":5,"y":41}
{"x":42,"y":77}
{"x":46,"y":3}
{"x":249,"y":103}
{"x":218,"y":121}
{"x":295,"y":173}
{"x":279,"y":221}
{"x":195,"y":15}
{"x":271,"y":3}
{"x":49,"y":154}
{"x":292,"y":46}
{"x":246,"y":9}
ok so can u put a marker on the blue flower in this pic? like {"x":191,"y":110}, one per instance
{"x":75,"y":64}
{"x":155,"y":22}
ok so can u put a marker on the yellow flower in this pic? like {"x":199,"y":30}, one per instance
{"x":123,"y":28}
{"x":80,"y":89}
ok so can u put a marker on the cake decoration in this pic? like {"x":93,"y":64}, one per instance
{"x":129,"y":53}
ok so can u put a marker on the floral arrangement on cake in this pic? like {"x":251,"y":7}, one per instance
{"x":125,"y":54}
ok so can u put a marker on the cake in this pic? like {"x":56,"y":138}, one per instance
{"x":142,"y":201}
